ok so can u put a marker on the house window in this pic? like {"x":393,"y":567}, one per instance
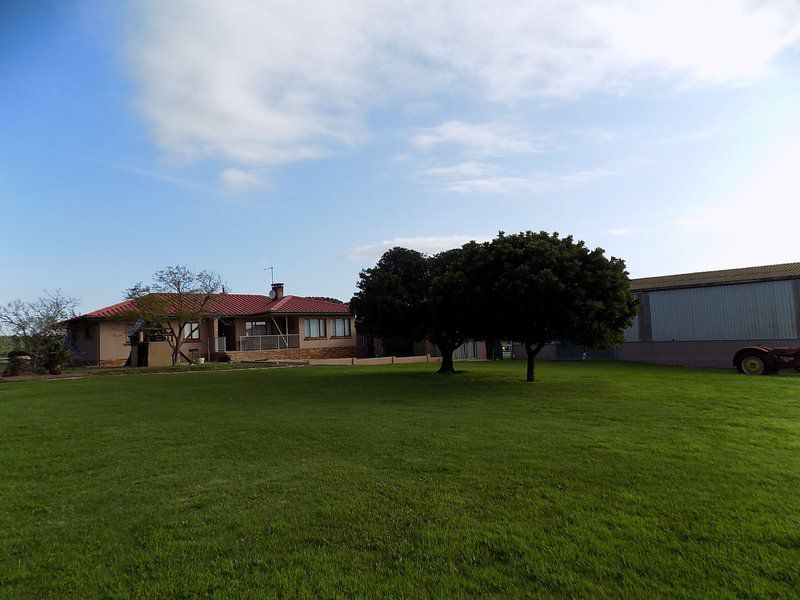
{"x":340,"y":327}
{"x":191,"y":331}
{"x":255,"y":328}
{"x":88,"y":332}
{"x":315,"y":328}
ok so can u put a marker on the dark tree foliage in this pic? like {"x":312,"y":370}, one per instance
{"x":545,"y":288}
{"x":450,"y":306}
{"x":408,"y":297}
{"x":392,"y":299}
{"x":534,"y":288}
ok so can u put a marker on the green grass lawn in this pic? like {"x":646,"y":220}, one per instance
{"x":601,"y":479}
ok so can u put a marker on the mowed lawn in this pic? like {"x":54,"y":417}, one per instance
{"x":601,"y":479}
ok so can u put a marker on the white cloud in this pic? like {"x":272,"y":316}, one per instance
{"x":498,"y":186}
{"x":237,"y":180}
{"x":463,"y":169}
{"x":255,"y":83}
{"x":534,"y":184}
{"x":478,"y":139}
{"x":429,"y":245}
{"x":712,"y":40}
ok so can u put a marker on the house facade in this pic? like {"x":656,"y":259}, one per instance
{"x":238,"y":327}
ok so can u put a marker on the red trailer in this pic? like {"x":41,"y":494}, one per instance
{"x":760,"y":360}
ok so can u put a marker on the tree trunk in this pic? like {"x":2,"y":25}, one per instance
{"x":447,"y":359}
{"x":532,"y":352}
{"x":175,"y":353}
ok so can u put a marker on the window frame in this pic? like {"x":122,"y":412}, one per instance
{"x":346,"y":327}
{"x":194,"y":331}
{"x":250,"y":325}
{"x":322,"y":328}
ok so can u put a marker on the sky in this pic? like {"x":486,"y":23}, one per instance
{"x":312,"y":136}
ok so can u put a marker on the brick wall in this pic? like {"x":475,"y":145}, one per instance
{"x":113,"y":362}
{"x":292,"y":354}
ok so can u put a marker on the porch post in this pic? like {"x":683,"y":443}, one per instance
{"x":214,"y":335}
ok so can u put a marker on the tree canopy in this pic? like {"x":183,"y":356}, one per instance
{"x":392,"y":299}
{"x":533,"y":288}
{"x":546,"y":288}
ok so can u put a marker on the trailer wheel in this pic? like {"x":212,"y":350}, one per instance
{"x":753,"y":363}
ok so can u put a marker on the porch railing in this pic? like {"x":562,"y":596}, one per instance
{"x":222,"y":344}
{"x":269,"y":342}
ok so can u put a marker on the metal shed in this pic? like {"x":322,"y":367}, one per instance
{"x":701,"y":319}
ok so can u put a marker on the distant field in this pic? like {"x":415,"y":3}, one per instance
{"x":602,"y":479}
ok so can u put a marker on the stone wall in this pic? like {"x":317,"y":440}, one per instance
{"x":289,"y":354}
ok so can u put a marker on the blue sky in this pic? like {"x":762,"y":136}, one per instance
{"x":223,"y":134}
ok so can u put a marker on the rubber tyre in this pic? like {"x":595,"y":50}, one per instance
{"x":754,"y":363}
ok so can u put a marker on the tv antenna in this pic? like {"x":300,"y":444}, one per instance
{"x":271,"y":270}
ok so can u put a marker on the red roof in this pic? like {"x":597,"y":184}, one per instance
{"x":299,"y":304}
{"x":231,"y":305}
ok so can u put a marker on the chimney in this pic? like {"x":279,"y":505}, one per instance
{"x":278,"y":289}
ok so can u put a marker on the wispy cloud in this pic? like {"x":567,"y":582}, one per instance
{"x":463,"y":169}
{"x":253,"y":83}
{"x":538,"y":183}
{"x":238,"y":180}
{"x":148,"y":173}
{"x":477,"y":139}
{"x":429,"y":245}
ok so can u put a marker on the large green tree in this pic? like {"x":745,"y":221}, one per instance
{"x":452,"y":307}
{"x":392,"y":299}
{"x":411,"y":296}
{"x":543,"y":288}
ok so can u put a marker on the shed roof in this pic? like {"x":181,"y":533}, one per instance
{"x":722,"y":277}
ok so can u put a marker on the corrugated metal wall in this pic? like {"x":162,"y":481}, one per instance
{"x":767,"y":310}
{"x":632,"y":332}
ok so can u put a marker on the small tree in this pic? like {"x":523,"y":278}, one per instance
{"x":546,"y":288}
{"x":176,"y":297}
{"x":39,"y":327}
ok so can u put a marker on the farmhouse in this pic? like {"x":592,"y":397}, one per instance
{"x":240,"y":327}
{"x":702,"y":319}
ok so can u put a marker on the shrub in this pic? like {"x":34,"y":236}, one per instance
{"x":55,"y":355}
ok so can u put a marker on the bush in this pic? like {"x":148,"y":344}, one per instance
{"x":55,"y":355}
{"x":17,"y":352}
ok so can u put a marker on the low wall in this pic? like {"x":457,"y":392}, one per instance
{"x":383,"y":360}
{"x":413,"y":359}
{"x":707,"y":353}
{"x":717,"y":353}
{"x":287,"y":354}
{"x":115,"y":362}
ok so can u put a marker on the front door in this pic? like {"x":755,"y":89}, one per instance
{"x":229,"y":333}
